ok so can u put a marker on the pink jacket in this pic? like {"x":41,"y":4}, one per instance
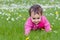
{"x":42,"y":24}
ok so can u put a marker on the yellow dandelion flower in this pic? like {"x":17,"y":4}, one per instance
{"x":20,"y":15}
{"x":23,"y":18}
{"x":56,"y":13}
{"x":42,"y":29}
{"x":52,"y":26}
{"x":27,"y":38}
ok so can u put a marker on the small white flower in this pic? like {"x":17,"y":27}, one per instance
{"x":52,"y":23}
{"x":17,"y":18}
{"x":12,"y":19}
{"x":51,"y":14}
{"x":55,"y":31}
{"x":8,"y":18}
{"x":8,"y":14}
{"x":52,"y":0}
{"x":0,"y":12}
{"x":3,"y":13}
{"x":55,"y":8}
{"x":46,"y":14}
{"x":44,"y":10}
{"x":58,"y":18}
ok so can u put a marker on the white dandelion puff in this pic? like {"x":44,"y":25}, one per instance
{"x":0,"y":12}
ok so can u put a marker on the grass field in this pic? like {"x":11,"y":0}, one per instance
{"x":13,"y":14}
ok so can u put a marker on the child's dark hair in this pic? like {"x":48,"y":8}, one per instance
{"x":36,"y":9}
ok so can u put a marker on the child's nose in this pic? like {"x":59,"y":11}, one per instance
{"x":36,"y":20}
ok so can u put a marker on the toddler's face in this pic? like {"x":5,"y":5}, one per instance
{"x":36,"y":18}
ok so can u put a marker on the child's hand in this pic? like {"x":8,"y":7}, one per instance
{"x":27,"y":38}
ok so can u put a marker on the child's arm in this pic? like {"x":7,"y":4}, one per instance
{"x":27,"y":26}
{"x":27,"y":30}
{"x":47,"y":25}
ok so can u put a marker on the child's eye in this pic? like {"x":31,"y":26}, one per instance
{"x":33,"y":18}
{"x":38,"y":18}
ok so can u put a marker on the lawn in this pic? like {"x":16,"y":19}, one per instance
{"x":14,"y":13}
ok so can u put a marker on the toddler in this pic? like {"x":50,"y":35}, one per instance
{"x":36,"y":20}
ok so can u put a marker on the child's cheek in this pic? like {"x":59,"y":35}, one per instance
{"x":39,"y":20}
{"x":32,"y":20}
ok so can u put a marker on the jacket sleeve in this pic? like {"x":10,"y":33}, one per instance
{"x":47,"y":25}
{"x":28,"y":26}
